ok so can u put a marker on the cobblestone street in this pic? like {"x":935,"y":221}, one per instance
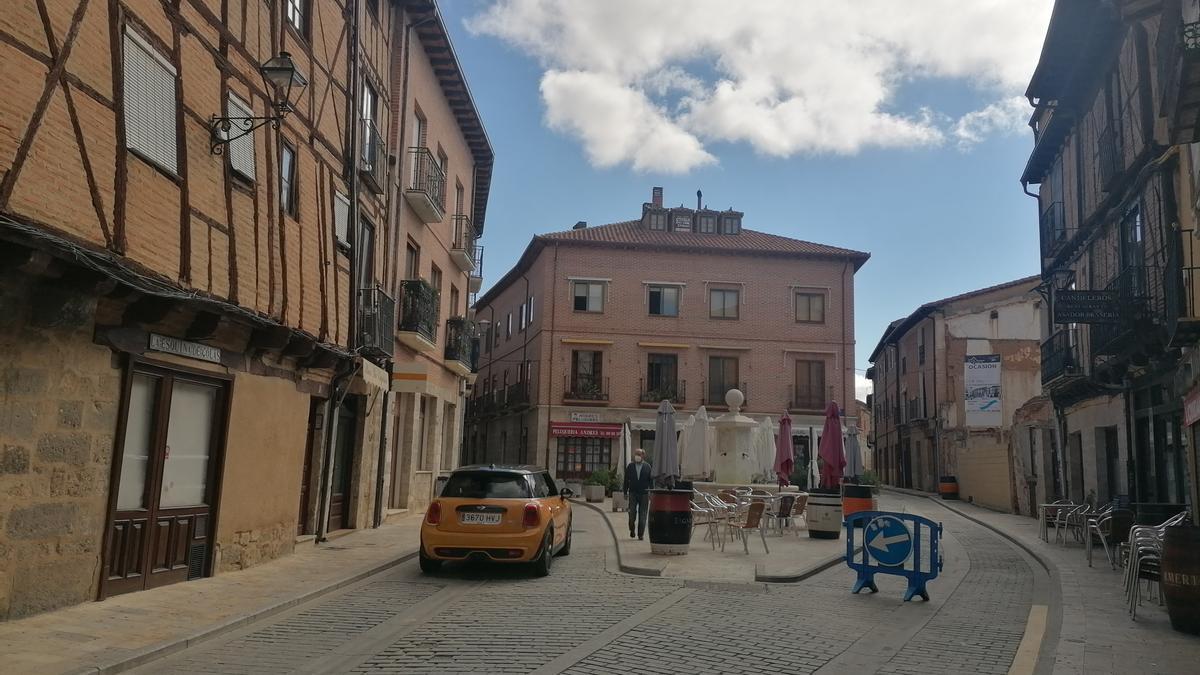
{"x":586,"y":619}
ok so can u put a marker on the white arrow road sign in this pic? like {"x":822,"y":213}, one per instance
{"x":881,"y":542}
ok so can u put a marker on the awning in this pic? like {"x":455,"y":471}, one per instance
{"x":585,"y":429}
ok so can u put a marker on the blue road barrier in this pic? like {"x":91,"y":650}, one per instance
{"x":892,"y":543}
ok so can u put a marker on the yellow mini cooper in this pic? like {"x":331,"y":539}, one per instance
{"x":509,"y":514}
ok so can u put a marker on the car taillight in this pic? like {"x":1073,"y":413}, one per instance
{"x":533,"y":517}
{"x":434,"y":515}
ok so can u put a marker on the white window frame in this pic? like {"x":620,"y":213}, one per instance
{"x":590,"y":282}
{"x":153,"y":134}
{"x":241,"y":149}
{"x":663,"y":286}
{"x":341,"y":218}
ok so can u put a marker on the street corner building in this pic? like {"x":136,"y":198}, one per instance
{"x":595,"y":326}
{"x":947,"y":381}
{"x":204,"y":291}
{"x":1115,"y":165}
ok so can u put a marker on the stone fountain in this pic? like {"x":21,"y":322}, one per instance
{"x":734,"y":463}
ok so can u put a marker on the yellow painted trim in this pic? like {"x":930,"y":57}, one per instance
{"x":1031,"y":643}
{"x":664,"y":345}
{"x":724,"y":348}
{"x":581,"y":341}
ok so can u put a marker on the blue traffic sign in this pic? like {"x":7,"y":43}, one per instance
{"x":888,"y":541}
{"x":902,"y":544}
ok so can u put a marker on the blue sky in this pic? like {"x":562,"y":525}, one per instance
{"x":939,"y":217}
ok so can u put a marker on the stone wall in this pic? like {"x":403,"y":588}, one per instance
{"x":59,"y":396}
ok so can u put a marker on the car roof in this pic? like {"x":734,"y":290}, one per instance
{"x":506,"y":468}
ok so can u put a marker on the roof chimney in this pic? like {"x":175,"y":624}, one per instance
{"x":699,"y":196}
{"x":580,"y":225}
{"x":656,"y":197}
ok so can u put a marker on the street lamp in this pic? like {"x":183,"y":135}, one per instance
{"x":280,"y":76}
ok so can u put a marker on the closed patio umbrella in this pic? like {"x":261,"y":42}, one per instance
{"x":690,"y":462}
{"x":784,"y":463}
{"x":854,"y":463}
{"x":764,"y":449}
{"x":833,"y":462}
{"x":666,"y":445}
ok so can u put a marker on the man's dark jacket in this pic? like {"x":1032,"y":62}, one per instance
{"x":634,"y":484}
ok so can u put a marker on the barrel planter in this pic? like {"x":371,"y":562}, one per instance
{"x":948,"y":487}
{"x":824,"y":514}
{"x":857,"y":498}
{"x":1181,"y":577}
{"x":670,"y":521}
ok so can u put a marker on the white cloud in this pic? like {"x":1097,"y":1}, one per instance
{"x":784,"y":76}
{"x":862,"y":387}
{"x":1010,"y":116}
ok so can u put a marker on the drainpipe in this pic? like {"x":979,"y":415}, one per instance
{"x":937,"y":416}
{"x":525,"y":360}
{"x":550,"y":369}
{"x":353,"y":104}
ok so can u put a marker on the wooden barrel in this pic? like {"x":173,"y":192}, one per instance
{"x":1181,"y":577}
{"x":670,"y":521}
{"x":857,"y":498}
{"x":948,"y":487}
{"x":824,"y":514}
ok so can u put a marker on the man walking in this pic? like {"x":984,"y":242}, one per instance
{"x":637,"y":492}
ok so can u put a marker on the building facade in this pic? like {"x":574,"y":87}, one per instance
{"x":947,"y":380}
{"x":595,"y":326}
{"x":199,"y":213}
{"x":1114,"y":163}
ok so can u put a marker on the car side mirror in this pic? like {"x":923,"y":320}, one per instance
{"x":566,"y":493}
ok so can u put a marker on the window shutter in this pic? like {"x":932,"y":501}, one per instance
{"x":241,"y":150}
{"x":149,"y":103}
{"x":341,"y":220}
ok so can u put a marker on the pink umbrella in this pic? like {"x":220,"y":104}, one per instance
{"x":783,"y":450}
{"x":833,"y":461}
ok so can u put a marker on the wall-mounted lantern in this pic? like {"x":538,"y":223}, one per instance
{"x":280,"y":76}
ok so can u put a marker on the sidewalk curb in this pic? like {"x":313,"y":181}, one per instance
{"x":146,"y":655}
{"x":759,"y":578}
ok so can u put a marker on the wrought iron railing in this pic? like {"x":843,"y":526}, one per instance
{"x":1054,"y":229}
{"x":427,"y":176}
{"x":419,"y":308}
{"x":518,"y":395}
{"x":1060,"y":355}
{"x":1131,"y":286}
{"x":460,"y":338}
{"x":655,"y":391}
{"x":805,"y":397}
{"x":372,"y":161}
{"x":585,"y":388}
{"x":464,"y":235}
{"x":1111,"y":155}
{"x":376,"y":318}
{"x":477,"y":256}
{"x":1182,"y":282}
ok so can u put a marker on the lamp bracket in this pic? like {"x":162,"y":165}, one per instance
{"x":226,"y":129}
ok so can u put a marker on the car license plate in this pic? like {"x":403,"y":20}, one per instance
{"x":479,"y":518}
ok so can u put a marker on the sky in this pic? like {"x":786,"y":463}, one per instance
{"x":896,"y":128}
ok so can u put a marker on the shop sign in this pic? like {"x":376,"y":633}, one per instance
{"x":585,"y":417}
{"x":1086,"y":307}
{"x":1191,"y":408}
{"x":585,"y":430}
{"x":192,"y":350}
{"x":982,"y":380}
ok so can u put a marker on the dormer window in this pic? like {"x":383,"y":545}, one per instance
{"x":656,"y":220}
{"x":731,"y":223}
{"x":706,"y":223}
{"x":681,"y":222}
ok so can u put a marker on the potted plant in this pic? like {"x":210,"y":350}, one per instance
{"x":869,"y":478}
{"x":596,"y":485}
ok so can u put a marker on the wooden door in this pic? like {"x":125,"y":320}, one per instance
{"x":165,"y":480}
{"x":315,"y":407}
{"x":343,"y":458}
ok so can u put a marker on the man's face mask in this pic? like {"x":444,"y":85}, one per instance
{"x":638,"y":459}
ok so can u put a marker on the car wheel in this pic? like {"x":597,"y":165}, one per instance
{"x":428,"y":565}
{"x":541,"y":566}
{"x":566,"y":547}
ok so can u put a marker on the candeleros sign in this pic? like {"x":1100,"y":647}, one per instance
{"x":192,"y":350}
{"x":1086,"y":307}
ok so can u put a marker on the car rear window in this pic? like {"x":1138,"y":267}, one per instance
{"x":487,"y":485}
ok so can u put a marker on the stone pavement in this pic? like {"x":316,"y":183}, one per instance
{"x":1095,"y":634}
{"x":97,"y":635}
{"x":791,"y":557}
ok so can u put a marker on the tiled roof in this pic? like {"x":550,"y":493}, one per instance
{"x":630,"y":232}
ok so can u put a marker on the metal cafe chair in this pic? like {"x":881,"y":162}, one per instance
{"x":781,"y":511}
{"x":702,"y":515}
{"x":749,"y":520}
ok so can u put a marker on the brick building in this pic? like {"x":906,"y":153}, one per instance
{"x":947,"y":380}
{"x":594,"y":326}
{"x":197,"y":289}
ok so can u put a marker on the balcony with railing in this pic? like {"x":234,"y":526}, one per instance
{"x":585,"y":390}
{"x":1132,"y":290}
{"x":518,"y":396}
{"x":914,"y":411}
{"x":1178,"y":60}
{"x":475,"y":280}
{"x":426,"y":192}
{"x":372,"y":161}
{"x":1111,"y":156}
{"x":376,"y":321}
{"x":713,"y":395}
{"x":1053,"y":225}
{"x":462,"y":247}
{"x":418,"y":315}
{"x":806,"y":398}
{"x":1182,"y":287}
{"x":1061,"y":357}
{"x":459,"y":353}
{"x":651,"y":393}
